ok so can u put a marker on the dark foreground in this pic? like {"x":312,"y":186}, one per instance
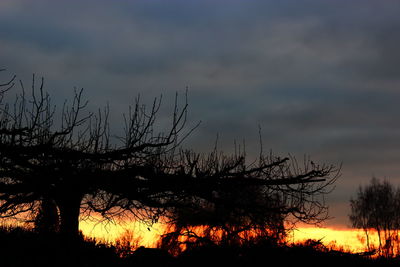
{"x":19,"y":247}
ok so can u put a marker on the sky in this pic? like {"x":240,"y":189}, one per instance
{"x":320,"y":78}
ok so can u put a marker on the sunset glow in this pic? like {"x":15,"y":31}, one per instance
{"x":346,"y":239}
{"x":137,"y":232}
{"x":351,"y":240}
{"x":140,"y":234}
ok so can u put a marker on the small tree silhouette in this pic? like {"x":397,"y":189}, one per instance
{"x":377,"y":207}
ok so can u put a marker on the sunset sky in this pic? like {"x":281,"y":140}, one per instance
{"x":321,"y":78}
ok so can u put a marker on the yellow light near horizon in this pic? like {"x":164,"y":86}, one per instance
{"x":140,"y":234}
{"x":112,"y":231}
{"x":346,"y":239}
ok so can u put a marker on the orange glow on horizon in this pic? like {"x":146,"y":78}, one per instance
{"x":140,"y":234}
{"x":351,"y":240}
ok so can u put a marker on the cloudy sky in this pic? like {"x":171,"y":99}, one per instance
{"x":321,"y":78}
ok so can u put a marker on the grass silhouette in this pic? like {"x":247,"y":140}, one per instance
{"x":25,"y":247}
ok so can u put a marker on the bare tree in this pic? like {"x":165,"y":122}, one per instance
{"x":71,"y":160}
{"x":376,"y":208}
{"x":68,"y":157}
{"x":231,"y":197}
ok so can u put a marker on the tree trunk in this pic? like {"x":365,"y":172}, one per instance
{"x":69,"y":215}
{"x":380,"y":240}
{"x":47,"y":220}
{"x":367,"y":236}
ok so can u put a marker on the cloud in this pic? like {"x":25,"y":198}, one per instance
{"x":319,"y":77}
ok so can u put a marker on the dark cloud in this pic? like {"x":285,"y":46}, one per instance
{"x":319,"y":77}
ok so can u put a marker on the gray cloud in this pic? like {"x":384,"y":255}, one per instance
{"x":320,"y":78}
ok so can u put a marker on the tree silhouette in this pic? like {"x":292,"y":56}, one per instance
{"x":377,"y":207}
{"x":230,"y":197}
{"x":67,"y":162}
{"x":74,"y":164}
